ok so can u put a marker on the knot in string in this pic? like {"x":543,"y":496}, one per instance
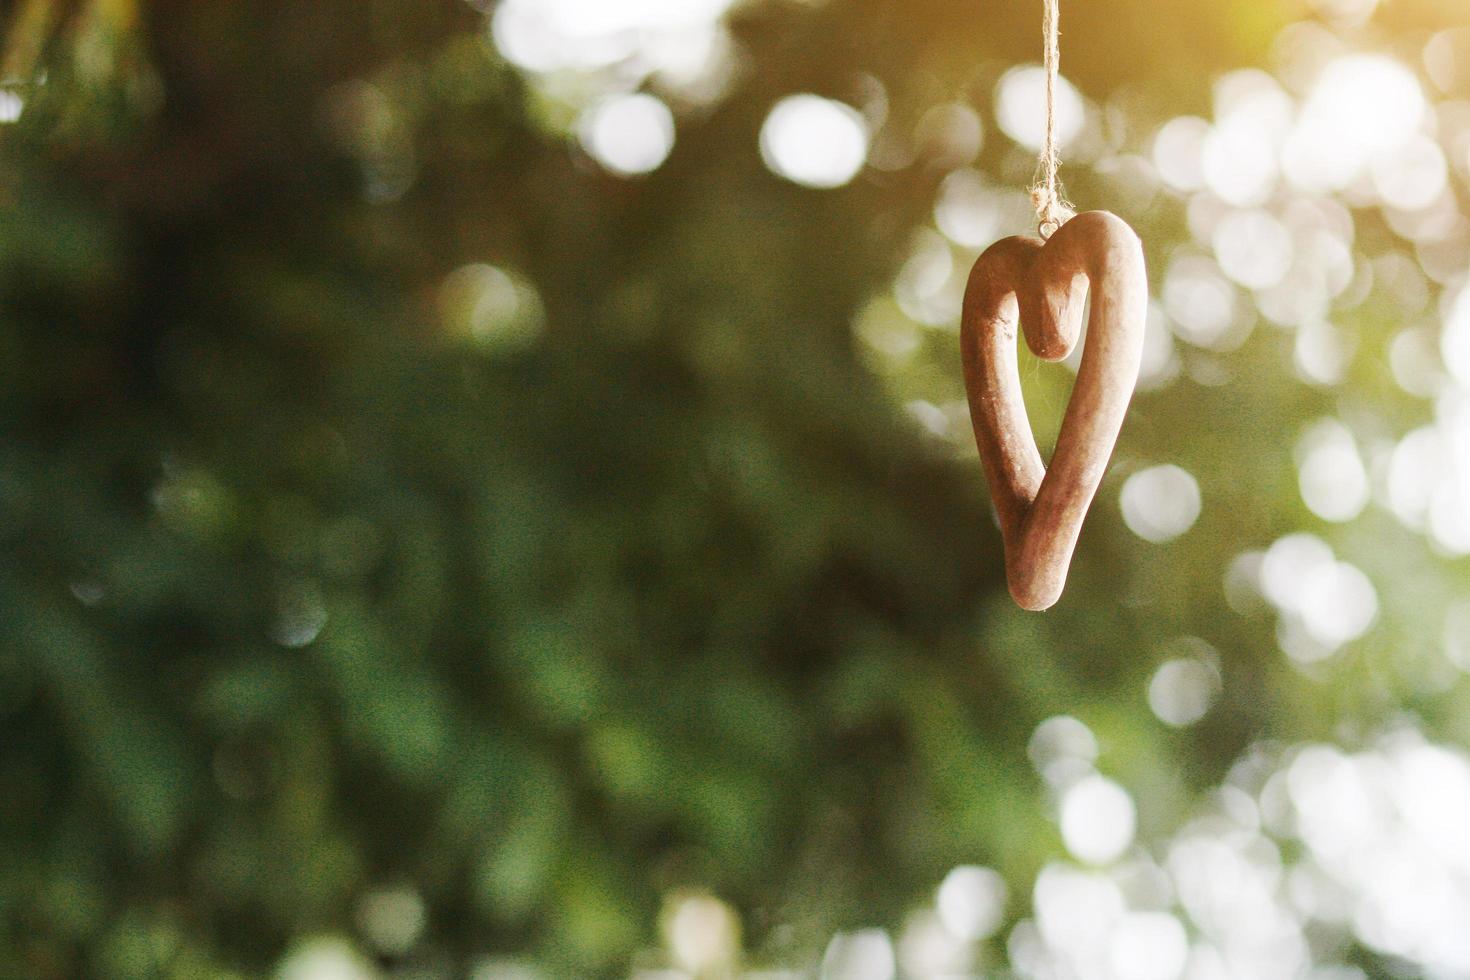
{"x":1052,"y":207}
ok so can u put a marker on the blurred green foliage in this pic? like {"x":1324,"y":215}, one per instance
{"x":314,"y":586}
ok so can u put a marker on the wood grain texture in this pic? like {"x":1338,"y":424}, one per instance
{"x":1044,"y":287}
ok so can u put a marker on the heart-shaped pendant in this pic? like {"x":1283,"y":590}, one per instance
{"x":1044,"y":286}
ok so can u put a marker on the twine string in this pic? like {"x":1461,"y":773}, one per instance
{"x":1047,"y":196}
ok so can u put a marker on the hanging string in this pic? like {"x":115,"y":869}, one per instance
{"x":1047,"y":196}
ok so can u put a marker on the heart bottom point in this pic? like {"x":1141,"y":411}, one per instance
{"x":1034,"y":595}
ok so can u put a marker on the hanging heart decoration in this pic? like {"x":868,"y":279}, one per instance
{"x":1044,"y":286}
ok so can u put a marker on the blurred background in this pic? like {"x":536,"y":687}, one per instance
{"x":486,"y":491}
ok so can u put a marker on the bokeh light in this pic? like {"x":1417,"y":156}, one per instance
{"x":701,"y":932}
{"x":1201,"y":304}
{"x":1324,"y":603}
{"x":491,"y":307}
{"x":1183,"y":688}
{"x":1148,"y":946}
{"x":971,"y":902}
{"x":1362,"y":106}
{"x":392,"y":919}
{"x":863,"y":955}
{"x":1062,"y":749}
{"x":326,"y":958}
{"x":1178,"y":151}
{"x":629,"y":134}
{"x":1160,"y":503}
{"x":814,"y":141}
{"x":11,"y":106}
{"x":1253,"y":248}
{"x":972,"y":213}
{"x":1097,"y":819}
{"x":1239,"y":155}
{"x":1333,"y":480}
{"x":1020,"y":107}
{"x":553,"y":35}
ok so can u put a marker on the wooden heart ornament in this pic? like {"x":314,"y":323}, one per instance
{"x":1044,"y":286}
